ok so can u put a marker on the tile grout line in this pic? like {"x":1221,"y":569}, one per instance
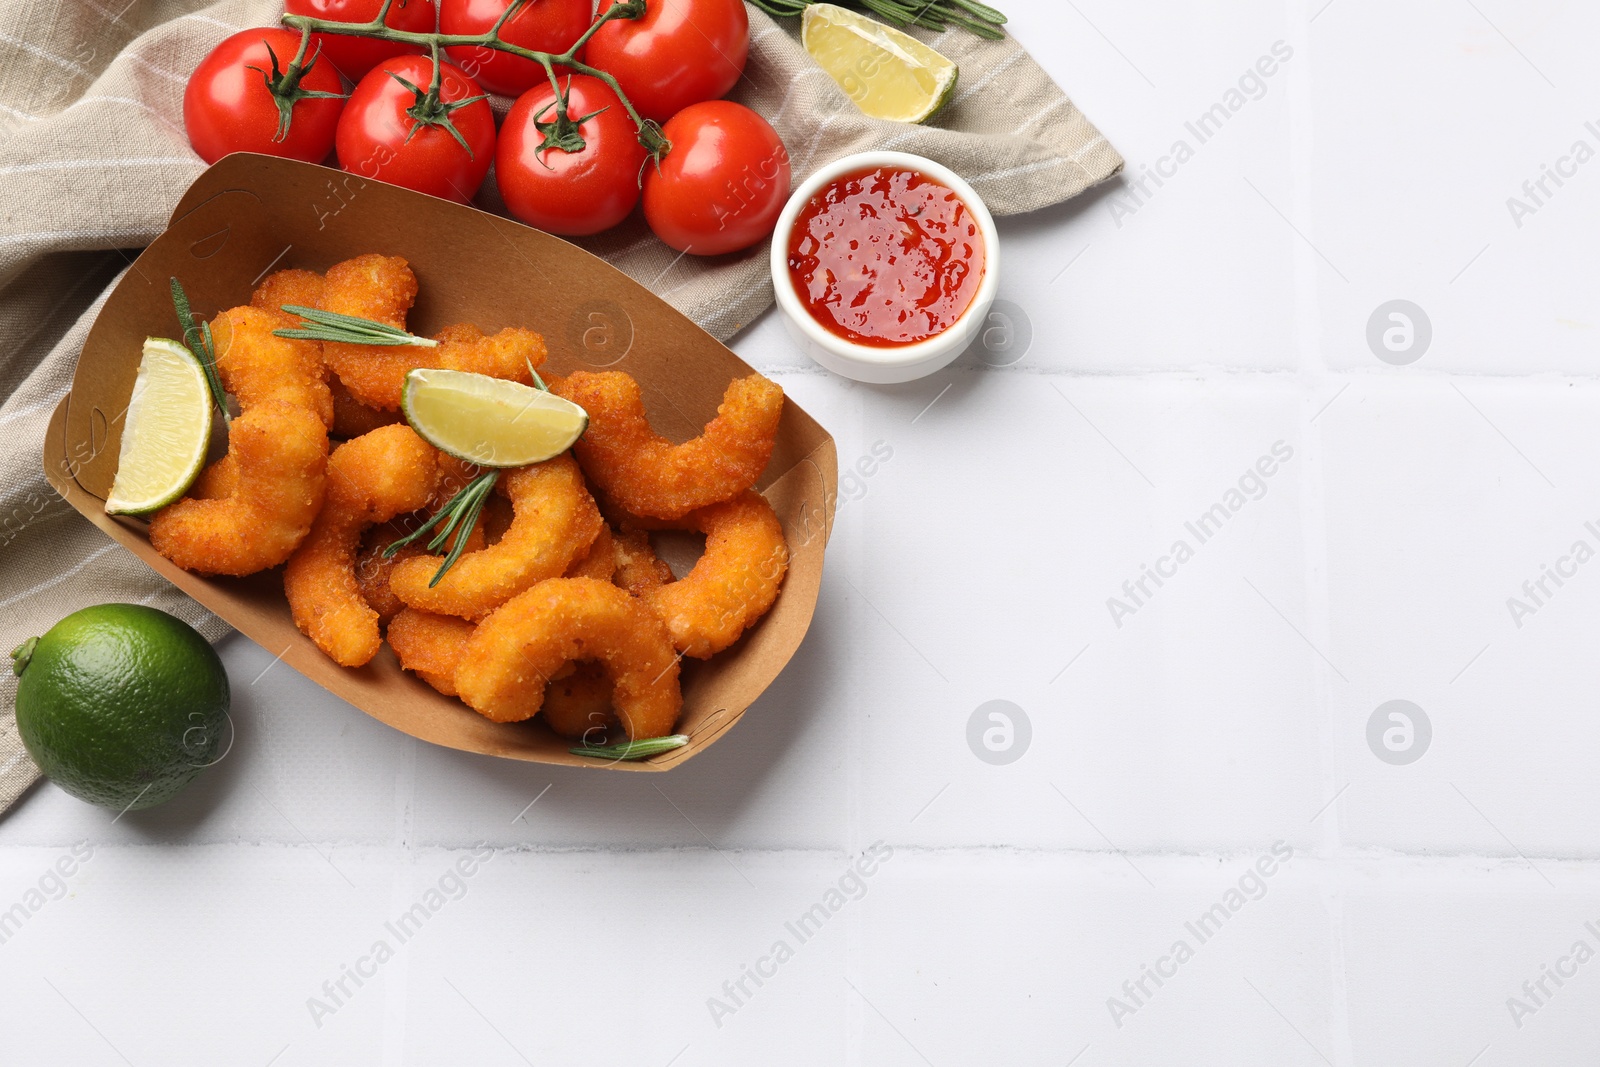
{"x":1315,"y":374}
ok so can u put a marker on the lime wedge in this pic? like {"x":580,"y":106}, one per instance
{"x":489,"y":421}
{"x":166,"y":431}
{"x":889,"y":74}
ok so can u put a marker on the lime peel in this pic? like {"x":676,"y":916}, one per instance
{"x":489,"y":421}
{"x":166,"y":430}
{"x":889,"y":74}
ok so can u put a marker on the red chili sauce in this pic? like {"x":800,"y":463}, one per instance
{"x":886,"y":257}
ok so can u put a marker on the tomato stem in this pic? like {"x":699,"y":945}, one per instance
{"x":430,"y":110}
{"x":649,"y":131}
{"x":284,"y":85}
{"x":563,"y":132}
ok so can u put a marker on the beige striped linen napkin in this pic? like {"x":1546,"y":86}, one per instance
{"x":93,"y":158}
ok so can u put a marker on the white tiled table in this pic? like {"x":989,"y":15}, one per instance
{"x":1176,"y":337}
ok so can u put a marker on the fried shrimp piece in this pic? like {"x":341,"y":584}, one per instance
{"x":383,"y":288}
{"x":601,"y":561}
{"x":431,"y":645}
{"x":639,"y":570}
{"x":301,"y":287}
{"x":577,"y":704}
{"x":277,"y":455}
{"x":306,"y":288}
{"x":554,"y":522}
{"x":373,"y":567}
{"x":256,"y":366}
{"x":643,"y":472}
{"x":372,"y":479}
{"x":373,"y":563}
{"x":250,"y":509}
{"x":507,"y":354}
{"x":219,"y":480}
{"x":734,"y":582}
{"x":380,"y":288}
{"x":511,"y":657}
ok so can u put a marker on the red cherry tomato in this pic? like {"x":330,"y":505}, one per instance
{"x":723,"y":183}
{"x":678,"y":53}
{"x":564,"y":192}
{"x":227,"y":107}
{"x":543,"y":25}
{"x":354,"y":56}
{"x":378,"y":139}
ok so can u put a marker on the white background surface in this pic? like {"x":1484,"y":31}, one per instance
{"x":1173,"y":342}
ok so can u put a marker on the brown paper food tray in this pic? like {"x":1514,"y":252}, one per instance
{"x":250,"y":214}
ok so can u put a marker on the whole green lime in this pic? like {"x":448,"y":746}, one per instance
{"x":121,"y":705}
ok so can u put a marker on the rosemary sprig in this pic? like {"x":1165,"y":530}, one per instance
{"x":197,"y":339}
{"x":460,"y":511}
{"x":317,"y":325}
{"x":971,"y":15}
{"x":630,"y":750}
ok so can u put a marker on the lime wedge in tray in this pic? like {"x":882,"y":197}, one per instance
{"x":165,"y":432}
{"x":889,"y":74}
{"x":489,"y":421}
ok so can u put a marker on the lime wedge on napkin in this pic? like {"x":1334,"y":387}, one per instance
{"x":889,"y":74}
{"x":489,"y":421}
{"x":166,"y":431}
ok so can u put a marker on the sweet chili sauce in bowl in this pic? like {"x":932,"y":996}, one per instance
{"x":886,"y":256}
{"x":884,"y":264}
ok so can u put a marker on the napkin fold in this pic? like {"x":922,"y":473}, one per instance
{"x":93,"y":158}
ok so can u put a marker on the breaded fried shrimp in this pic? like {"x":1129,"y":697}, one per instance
{"x":374,"y":565}
{"x":507,"y":354}
{"x":554,"y":522}
{"x":577,"y":704}
{"x":639,"y":570}
{"x":513,"y":654}
{"x":431,"y":645}
{"x":643,"y":472}
{"x":277,"y":454}
{"x":250,"y":509}
{"x":385,"y":473}
{"x":303,"y":288}
{"x":382,"y":289}
{"x":734,"y":582}
{"x":600,"y":562}
{"x":255,"y":365}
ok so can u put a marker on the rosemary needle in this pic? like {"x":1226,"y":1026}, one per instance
{"x":631,"y":750}
{"x":318,"y":325}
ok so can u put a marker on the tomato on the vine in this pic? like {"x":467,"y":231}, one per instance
{"x":248,"y":95}
{"x":398,"y":127}
{"x":679,"y":52}
{"x":723,"y":183}
{"x":543,"y":26}
{"x":354,"y":56}
{"x":588,"y":186}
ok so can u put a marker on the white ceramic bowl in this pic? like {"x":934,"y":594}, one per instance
{"x":898,"y":363}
